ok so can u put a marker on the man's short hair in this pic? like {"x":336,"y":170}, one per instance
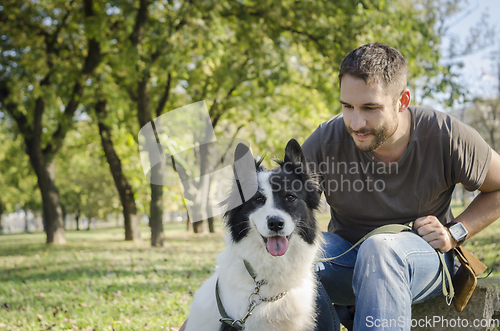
{"x":377,"y":63}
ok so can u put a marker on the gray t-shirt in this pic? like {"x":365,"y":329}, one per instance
{"x":364,"y":193}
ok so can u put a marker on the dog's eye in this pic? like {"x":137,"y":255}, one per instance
{"x":260,"y":199}
{"x":291,"y":198}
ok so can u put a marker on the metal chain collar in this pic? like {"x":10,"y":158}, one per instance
{"x":254,"y":299}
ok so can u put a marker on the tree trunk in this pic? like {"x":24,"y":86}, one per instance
{"x":188,"y":223}
{"x":156,"y":217}
{"x":26,"y":230}
{"x":157,"y":172}
{"x":39,"y":221}
{"x":197,"y":192}
{"x":211,"y":227}
{"x":64,"y":216}
{"x":131,"y":219}
{"x":1,"y":215}
{"x":156,"y":206}
{"x":198,"y":195}
{"x":52,"y":211}
{"x":77,"y":219}
{"x":198,"y":227}
{"x":42,"y":159}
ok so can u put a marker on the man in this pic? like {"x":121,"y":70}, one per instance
{"x":383,"y":162}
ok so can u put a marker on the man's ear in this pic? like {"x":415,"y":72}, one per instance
{"x":404,"y":100}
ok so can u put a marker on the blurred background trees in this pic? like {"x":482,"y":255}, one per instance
{"x":78,"y":79}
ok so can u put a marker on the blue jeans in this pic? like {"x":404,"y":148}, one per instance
{"x":383,"y":277}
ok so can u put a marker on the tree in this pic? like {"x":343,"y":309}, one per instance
{"x":86,"y":186}
{"x":268,"y":59}
{"x":484,"y":116}
{"x":50,"y":49}
{"x":142,"y":49}
{"x":132,"y":230}
{"x":262,"y":67}
{"x":244,"y":57}
{"x":445,"y":83}
{"x":484,"y":113}
{"x":17,"y":179}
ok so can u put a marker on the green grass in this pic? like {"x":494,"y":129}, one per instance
{"x":100,"y":282}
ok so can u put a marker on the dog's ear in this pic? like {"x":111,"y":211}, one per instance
{"x":294,"y":154}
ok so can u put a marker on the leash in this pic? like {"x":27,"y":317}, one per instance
{"x":447,"y":285}
{"x":254,"y":300}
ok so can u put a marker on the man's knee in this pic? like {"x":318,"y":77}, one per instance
{"x":381,"y":247}
{"x":379,"y":255}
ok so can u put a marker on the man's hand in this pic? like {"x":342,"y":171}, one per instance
{"x":432,"y":231}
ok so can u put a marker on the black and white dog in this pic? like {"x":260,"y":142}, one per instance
{"x":265,"y":278}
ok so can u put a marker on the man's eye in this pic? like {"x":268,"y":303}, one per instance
{"x":291,"y":198}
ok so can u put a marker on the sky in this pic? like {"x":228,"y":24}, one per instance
{"x":480,"y":73}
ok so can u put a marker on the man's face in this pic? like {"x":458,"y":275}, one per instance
{"x":370,"y":114}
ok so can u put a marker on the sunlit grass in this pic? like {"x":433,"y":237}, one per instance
{"x":100,"y":282}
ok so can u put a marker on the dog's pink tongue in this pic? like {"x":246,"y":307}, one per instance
{"x":277,"y":246}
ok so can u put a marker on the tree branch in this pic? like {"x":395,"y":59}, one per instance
{"x":91,"y":61}
{"x":223,"y":157}
{"x":164,"y":97}
{"x":219,"y":113}
{"x":140,"y":23}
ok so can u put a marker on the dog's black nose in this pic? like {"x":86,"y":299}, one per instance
{"x":275,"y":223}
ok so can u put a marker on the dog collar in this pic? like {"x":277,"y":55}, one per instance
{"x":254,"y":300}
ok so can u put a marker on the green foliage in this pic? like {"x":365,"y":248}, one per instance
{"x":18,"y":182}
{"x":44,"y":46}
{"x":267,"y":69}
{"x":85,"y":183}
{"x":484,"y":116}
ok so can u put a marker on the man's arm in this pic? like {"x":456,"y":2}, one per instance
{"x":482,"y":211}
{"x":485,"y":208}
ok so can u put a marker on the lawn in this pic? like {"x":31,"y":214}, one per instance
{"x":100,"y":282}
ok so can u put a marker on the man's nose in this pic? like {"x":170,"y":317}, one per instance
{"x":357,"y":121}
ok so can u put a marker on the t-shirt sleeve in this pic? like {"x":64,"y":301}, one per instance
{"x":470,"y":154}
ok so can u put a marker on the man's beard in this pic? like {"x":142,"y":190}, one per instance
{"x":380,"y":135}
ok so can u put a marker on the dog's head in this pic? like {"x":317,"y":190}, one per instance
{"x":283,"y":205}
